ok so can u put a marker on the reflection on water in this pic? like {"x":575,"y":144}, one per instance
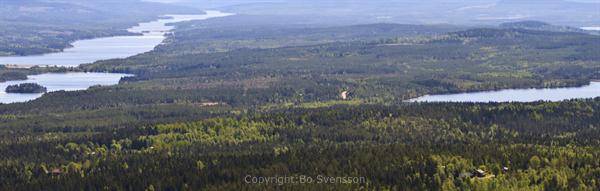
{"x":88,"y":51}
{"x":57,"y":82}
{"x":518,"y":95}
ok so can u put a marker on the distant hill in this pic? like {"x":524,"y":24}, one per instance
{"x":85,"y":12}
{"x":542,"y":26}
{"x":41,"y":26}
{"x":256,"y":31}
{"x":562,"y":12}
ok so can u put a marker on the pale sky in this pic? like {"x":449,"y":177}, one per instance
{"x":174,"y":1}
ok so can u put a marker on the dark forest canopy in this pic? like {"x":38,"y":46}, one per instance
{"x":8,"y":73}
{"x":26,"y":88}
{"x":540,"y":145}
{"x":390,"y":69}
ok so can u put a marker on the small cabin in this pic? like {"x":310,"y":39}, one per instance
{"x":479,"y":173}
{"x":56,"y":171}
{"x":344,"y":95}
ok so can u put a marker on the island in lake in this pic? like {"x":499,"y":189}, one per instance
{"x":26,"y":88}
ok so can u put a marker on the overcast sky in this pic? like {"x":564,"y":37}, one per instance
{"x":173,"y":1}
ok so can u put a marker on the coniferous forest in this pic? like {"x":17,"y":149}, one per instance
{"x":256,"y":102}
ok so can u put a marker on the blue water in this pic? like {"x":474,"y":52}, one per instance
{"x":88,"y":51}
{"x":518,"y":95}
{"x":57,"y":82}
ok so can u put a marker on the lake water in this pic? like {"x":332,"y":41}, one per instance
{"x":518,"y":95}
{"x":591,"y":28}
{"x":57,"y":82}
{"x":88,"y":51}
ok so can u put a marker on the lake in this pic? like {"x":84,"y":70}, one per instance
{"x":59,"y":81}
{"x":518,"y":95}
{"x":92,"y":50}
{"x":591,"y":28}
{"x":88,"y":51}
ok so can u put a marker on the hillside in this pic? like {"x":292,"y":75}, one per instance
{"x":250,"y":31}
{"x":560,"y":12}
{"x":42,"y":26}
{"x":402,"y":68}
{"x":542,"y":26}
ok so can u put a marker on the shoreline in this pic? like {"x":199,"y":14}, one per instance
{"x":460,"y":97}
{"x":74,"y":67}
{"x":54,"y":82}
{"x":118,"y":32}
{"x":121,"y":32}
{"x":84,"y":51}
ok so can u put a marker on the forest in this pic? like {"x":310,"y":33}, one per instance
{"x":206,"y":111}
{"x":385,"y":70}
{"x":535,"y":146}
{"x":26,"y":88}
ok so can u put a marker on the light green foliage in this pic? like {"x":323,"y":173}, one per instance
{"x":211,"y":131}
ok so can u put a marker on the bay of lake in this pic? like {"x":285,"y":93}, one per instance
{"x":518,"y":95}
{"x":88,"y":51}
{"x":57,"y":82}
{"x":92,"y":50}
